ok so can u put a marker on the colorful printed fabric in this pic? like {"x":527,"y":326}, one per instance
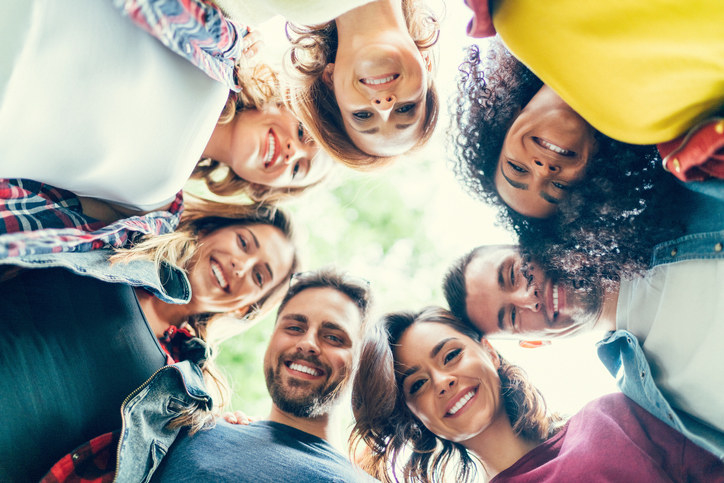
{"x":92,"y":462}
{"x":195,"y":30}
{"x":36,"y":218}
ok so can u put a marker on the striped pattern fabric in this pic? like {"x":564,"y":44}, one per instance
{"x":194,"y":29}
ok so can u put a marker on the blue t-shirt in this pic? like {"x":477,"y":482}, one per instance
{"x":263,"y":451}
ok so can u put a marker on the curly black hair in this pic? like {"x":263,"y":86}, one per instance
{"x":606,"y":228}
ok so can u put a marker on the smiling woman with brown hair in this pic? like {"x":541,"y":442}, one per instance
{"x":583,"y":204}
{"x":365,"y":89}
{"x":432,"y":397}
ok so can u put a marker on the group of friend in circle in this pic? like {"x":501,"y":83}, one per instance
{"x":591,"y":209}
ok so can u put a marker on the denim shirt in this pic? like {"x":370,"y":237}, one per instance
{"x":624,"y":358}
{"x":169,"y":283}
{"x":145,"y":437}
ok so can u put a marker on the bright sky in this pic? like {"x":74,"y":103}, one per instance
{"x":568,"y":371}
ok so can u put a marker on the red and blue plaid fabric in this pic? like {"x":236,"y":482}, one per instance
{"x":194,"y":29}
{"x":36,"y":218}
{"x":93,"y":462}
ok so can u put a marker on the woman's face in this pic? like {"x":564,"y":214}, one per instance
{"x":545,"y":152}
{"x":236,"y":266}
{"x":381,"y":90}
{"x":450,"y":382}
{"x":270,"y":147}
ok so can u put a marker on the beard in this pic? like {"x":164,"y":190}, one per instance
{"x":302,"y":398}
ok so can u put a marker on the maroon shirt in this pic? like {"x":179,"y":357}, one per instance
{"x":612,"y":439}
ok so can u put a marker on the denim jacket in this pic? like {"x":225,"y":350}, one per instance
{"x":169,"y":283}
{"x":624,"y":358}
{"x":145,"y":437}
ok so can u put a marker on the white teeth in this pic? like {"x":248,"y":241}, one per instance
{"x":462,"y":402}
{"x":375,"y":82}
{"x":272,"y":149}
{"x":553,"y":147}
{"x":303,"y":368}
{"x":555,"y":299}
{"x":219,"y":274}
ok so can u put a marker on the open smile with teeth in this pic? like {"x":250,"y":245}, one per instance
{"x":555,"y":299}
{"x":219,"y":274}
{"x":295,"y":366}
{"x":461,"y":403}
{"x":552,"y":147}
{"x":371,"y":81}
{"x":272,"y":151}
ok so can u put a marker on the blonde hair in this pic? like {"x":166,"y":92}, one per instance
{"x":259,"y":88}
{"x":201,"y":217}
{"x":314,"y":103}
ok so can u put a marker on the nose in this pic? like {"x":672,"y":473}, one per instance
{"x":383,"y":104}
{"x":527,"y":297}
{"x":446,"y":382}
{"x":545,"y":167}
{"x":307,"y":344}
{"x":241,"y":267}
{"x":295,"y":149}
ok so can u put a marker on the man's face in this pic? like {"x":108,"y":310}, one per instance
{"x":312,"y":351}
{"x":507,"y":295}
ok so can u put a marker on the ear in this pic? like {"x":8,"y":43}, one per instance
{"x":328,"y":75}
{"x":491,"y":352}
{"x":427,"y":58}
{"x":533,"y":344}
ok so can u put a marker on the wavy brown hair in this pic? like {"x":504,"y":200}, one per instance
{"x":259,"y":88}
{"x":606,"y":228}
{"x":314,"y":103}
{"x":396,"y":445}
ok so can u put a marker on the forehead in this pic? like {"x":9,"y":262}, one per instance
{"x":418,"y":341}
{"x":482,"y":286}
{"x":324,"y":304}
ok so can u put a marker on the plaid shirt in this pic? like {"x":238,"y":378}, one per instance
{"x":194,"y":29}
{"x":36,"y":218}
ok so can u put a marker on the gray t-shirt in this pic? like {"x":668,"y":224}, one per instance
{"x":263,"y":451}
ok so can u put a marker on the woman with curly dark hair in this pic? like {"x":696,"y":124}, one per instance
{"x":431,"y":398}
{"x":365,"y":89}
{"x":586,"y":205}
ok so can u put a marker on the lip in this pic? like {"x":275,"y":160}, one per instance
{"x":554,"y":147}
{"x":303,"y":375}
{"x":277,"y":149}
{"x":551,"y":314}
{"x":395,"y":77}
{"x":214,"y":264}
{"x":457,"y":398}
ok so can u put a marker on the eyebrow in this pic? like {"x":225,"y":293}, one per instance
{"x":368,"y":131}
{"x":434,"y":352}
{"x":523,"y":186}
{"x":514,"y":184}
{"x":298,"y":317}
{"x":404,"y":126}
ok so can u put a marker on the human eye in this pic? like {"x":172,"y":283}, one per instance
{"x":362,"y":115}
{"x":415,"y":386}
{"x":451,"y":355}
{"x":513,"y":316}
{"x":303,"y":135}
{"x":258,"y":278}
{"x":242,"y":242}
{"x":517,"y":168}
{"x":334,"y":339}
{"x":406,"y":108}
{"x":512,"y":275}
{"x":560,"y":186}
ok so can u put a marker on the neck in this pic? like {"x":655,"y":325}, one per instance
{"x":218,"y":146}
{"x":318,"y":426}
{"x":159,"y":314}
{"x":607,"y":320}
{"x":370,"y":21}
{"x":498,"y":447}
